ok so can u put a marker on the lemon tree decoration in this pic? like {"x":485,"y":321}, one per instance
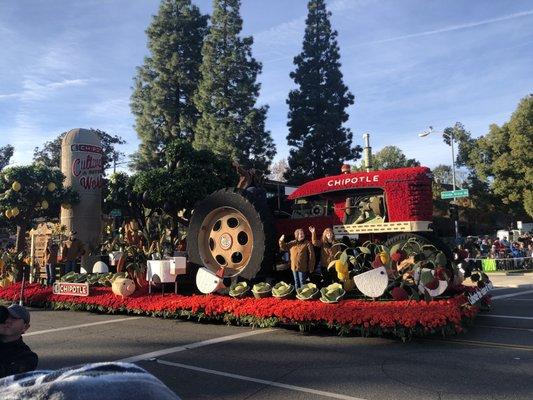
{"x":24,"y":187}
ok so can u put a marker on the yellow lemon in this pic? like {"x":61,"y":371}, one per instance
{"x":51,"y":186}
{"x":16,"y":186}
{"x":44,"y":204}
{"x":15,"y":211}
{"x":8,"y":213}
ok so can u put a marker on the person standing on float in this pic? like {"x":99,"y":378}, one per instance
{"x":72,"y":252}
{"x":325,"y":243}
{"x":302,"y":256}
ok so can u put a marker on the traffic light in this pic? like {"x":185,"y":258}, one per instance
{"x":454,"y":211}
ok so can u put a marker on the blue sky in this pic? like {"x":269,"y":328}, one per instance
{"x":410,"y":64}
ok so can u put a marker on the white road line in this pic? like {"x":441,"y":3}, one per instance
{"x":159,"y":353}
{"x":66,"y":328}
{"x":261,"y":381}
{"x":521,"y":299}
{"x":504,"y":316}
{"x":505,"y":296}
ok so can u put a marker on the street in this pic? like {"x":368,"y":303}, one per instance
{"x":493,"y":360}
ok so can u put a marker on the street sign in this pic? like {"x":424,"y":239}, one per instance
{"x":454,"y":193}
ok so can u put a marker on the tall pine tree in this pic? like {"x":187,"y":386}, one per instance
{"x":317,"y":108}
{"x":230,"y":124}
{"x":166,"y":82}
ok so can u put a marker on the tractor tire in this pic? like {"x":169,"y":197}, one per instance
{"x":424,"y":239}
{"x":232,"y":229}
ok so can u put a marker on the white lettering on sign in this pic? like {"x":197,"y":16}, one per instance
{"x":71,"y":289}
{"x":479,"y":294}
{"x":90,"y":148}
{"x":353,"y":180}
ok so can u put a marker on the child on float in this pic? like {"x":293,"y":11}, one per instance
{"x":302,"y":256}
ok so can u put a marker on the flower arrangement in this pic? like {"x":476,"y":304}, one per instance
{"x":402,"y":319}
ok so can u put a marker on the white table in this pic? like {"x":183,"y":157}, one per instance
{"x":165,"y":271}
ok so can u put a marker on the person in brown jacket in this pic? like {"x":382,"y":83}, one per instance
{"x":71,"y":252}
{"x":302,"y":256}
{"x":325,"y":243}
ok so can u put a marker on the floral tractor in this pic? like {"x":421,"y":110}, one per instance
{"x":233,"y":232}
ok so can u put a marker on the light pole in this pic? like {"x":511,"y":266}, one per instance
{"x":452,"y":137}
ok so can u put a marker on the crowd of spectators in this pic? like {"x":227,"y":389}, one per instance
{"x":487,"y":247}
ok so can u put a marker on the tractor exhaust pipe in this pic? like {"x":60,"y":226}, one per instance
{"x":367,"y":153}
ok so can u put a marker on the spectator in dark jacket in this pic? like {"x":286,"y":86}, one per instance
{"x":15,"y":355}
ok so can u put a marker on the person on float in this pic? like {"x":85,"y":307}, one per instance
{"x":302,"y":256}
{"x":50,"y":261}
{"x":72,"y":251}
{"x":15,"y":355}
{"x":325,"y":243}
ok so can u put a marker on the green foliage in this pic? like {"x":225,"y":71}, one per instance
{"x":166,"y":82}
{"x":118,"y":193}
{"x":317,"y":108}
{"x":6,"y":152}
{"x":391,"y":157}
{"x":503,"y":157}
{"x":230,"y":124}
{"x":191,"y":175}
{"x":33,"y":198}
{"x":50,"y":154}
{"x":464,"y":140}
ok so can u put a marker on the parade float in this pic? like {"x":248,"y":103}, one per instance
{"x":387,"y":273}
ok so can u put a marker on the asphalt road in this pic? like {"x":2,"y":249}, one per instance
{"x":493,"y":360}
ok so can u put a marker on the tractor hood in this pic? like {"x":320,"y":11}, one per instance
{"x":372,"y":179}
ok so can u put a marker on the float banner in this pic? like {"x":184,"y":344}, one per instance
{"x":71,"y":289}
{"x":474,"y":297}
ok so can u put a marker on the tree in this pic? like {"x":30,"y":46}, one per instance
{"x":189,"y":176}
{"x":464,"y":140}
{"x":317,"y":108}
{"x":503,"y":157}
{"x":230,"y":124}
{"x":6,"y":152}
{"x":50,"y":154}
{"x":278,"y":170}
{"x":391,"y":157}
{"x":30,"y":192}
{"x":166,"y":82}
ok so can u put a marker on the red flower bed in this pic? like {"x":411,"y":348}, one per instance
{"x":399,"y":318}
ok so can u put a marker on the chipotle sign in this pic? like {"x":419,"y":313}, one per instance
{"x":71,"y":289}
{"x":87,"y":165}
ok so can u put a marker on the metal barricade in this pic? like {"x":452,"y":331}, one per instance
{"x":502,"y":264}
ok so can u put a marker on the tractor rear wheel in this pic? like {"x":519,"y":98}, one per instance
{"x":232,"y":229}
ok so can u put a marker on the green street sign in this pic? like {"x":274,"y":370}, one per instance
{"x":454,"y":194}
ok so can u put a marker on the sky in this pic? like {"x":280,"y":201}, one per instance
{"x":410,"y":64}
